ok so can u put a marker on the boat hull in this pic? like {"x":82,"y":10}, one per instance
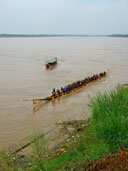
{"x":51,"y":63}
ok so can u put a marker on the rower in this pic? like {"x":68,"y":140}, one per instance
{"x":63,"y":90}
{"x":66,"y":89}
{"x":58,"y":92}
{"x":100,"y":74}
{"x":54,"y":92}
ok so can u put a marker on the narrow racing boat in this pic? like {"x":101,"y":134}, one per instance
{"x":71,"y":87}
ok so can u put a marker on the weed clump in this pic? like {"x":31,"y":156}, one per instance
{"x":110,"y":117}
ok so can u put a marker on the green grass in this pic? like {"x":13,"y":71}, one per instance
{"x":107,"y":132}
{"x":110,"y":117}
{"x":87,"y":146}
{"x":8,"y":162}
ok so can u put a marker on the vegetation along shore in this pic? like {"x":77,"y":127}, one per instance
{"x":101,"y":143}
{"x":61,"y":35}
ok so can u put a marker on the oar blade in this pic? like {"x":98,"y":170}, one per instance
{"x":24,"y":100}
{"x":36,"y":101}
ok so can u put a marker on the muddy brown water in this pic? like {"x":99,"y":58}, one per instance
{"x":23,"y":75}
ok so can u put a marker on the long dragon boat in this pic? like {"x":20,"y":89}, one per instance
{"x":87,"y":81}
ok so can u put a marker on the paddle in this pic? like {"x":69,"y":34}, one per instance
{"x":35,"y":101}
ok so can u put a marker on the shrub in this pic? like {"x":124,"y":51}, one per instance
{"x":110,"y":117}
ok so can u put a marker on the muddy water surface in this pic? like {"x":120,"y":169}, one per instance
{"x":22,"y":74}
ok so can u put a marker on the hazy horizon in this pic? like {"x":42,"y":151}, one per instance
{"x":61,"y":35}
{"x":85,"y":17}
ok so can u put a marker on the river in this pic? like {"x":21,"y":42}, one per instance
{"x":23,"y":75}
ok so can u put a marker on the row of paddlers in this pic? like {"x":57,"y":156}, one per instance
{"x":70,"y":87}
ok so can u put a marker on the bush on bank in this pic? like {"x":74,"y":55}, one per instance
{"x":110,"y":117}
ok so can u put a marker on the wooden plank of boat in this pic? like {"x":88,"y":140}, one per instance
{"x":38,"y":100}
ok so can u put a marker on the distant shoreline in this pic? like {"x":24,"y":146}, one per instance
{"x":59,"y":35}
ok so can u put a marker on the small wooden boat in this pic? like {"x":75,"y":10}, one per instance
{"x":49,"y":98}
{"x":51,"y":63}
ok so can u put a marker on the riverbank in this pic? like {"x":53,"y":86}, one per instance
{"x":92,"y":144}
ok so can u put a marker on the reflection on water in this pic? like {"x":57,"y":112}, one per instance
{"x":39,"y":105}
{"x":23,"y":75}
